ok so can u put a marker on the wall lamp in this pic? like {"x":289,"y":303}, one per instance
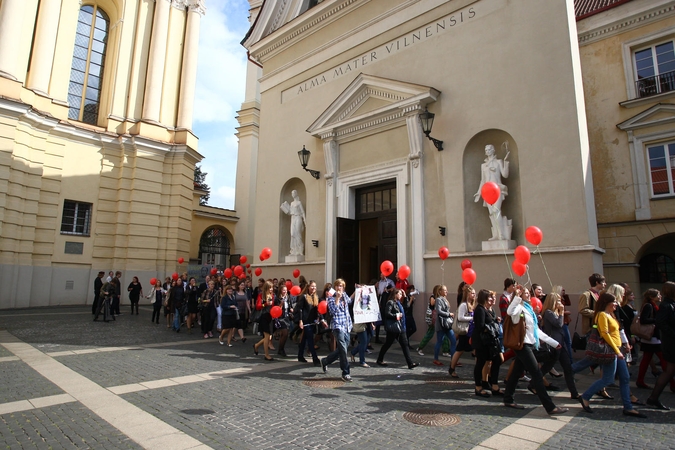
{"x":427,"y":120}
{"x":442,"y":230}
{"x":315,"y":243}
{"x":304,"y":155}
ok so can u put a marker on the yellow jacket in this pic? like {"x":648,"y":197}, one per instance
{"x":608,"y":328}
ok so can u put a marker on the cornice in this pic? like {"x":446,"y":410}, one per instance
{"x":621,"y":19}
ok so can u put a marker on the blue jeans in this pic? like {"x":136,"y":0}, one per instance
{"x":624,"y":383}
{"x":342,"y":342}
{"x":176,"y":319}
{"x":361,"y":349}
{"x":439,"y":341}
{"x":608,"y":371}
{"x":568,"y":340}
{"x":308,"y":340}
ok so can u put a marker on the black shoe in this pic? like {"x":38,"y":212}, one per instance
{"x":555,"y":374}
{"x":324,"y":367}
{"x":552,"y":387}
{"x":634,"y":413}
{"x":281,"y":353}
{"x":656,"y":404}
{"x":413,"y":365}
{"x":603,"y":393}
{"x":302,"y":360}
{"x":586,"y":407}
{"x":514,"y":405}
{"x":482,"y":393}
{"x":558,"y":410}
{"x":498,"y":392}
{"x":380,"y":363}
{"x":317,"y":363}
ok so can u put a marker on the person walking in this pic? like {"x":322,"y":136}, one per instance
{"x":98,"y":284}
{"x":135,"y":293}
{"x":395,"y":326}
{"x":341,"y":326}
{"x":665,"y":323}
{"x":307,"y":313}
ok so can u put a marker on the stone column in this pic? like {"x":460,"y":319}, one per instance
{"x":11,"y":23}
{"x":330,"y":152}
{"x":44,"y":46}
{"x":416,"y":143}
{"x":188,"y":79}
{"x":156,"y":60}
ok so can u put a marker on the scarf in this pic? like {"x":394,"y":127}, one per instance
{"x":529,"y":309}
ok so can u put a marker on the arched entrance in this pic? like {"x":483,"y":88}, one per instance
{"x":214,"y":247}
{"x":657,"y":262}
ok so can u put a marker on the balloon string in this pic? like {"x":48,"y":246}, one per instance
{"x":442,"y":271}
{"x":499,"y":233}
{"x":545,"y":270}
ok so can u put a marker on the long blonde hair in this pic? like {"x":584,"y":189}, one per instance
{"x":550,"y":302}
{"x":267,"y":291}
{"x":465,"y":297}
{"x":617,"y":291}
{"x":311,"y":299}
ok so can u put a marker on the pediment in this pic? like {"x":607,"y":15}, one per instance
{"x":368,"y":98}
{"x":659,"y":114}
{"x":272,"y":16}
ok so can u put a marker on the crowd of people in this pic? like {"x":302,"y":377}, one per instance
{"x":524,"y":326}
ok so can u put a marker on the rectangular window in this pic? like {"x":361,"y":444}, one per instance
{"x":655,"y":69}
{"x":76,"y":218}
{"x":662,"y":169}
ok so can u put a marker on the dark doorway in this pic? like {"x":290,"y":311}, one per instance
{"x":363,"y":243}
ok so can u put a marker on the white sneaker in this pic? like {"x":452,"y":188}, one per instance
{"x":525,"y":379}
{"x":419,"y":352}
{"x":446,"y":354}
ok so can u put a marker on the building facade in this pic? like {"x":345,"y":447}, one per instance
{"x":349,"y":79}
{"x":97,"y":153}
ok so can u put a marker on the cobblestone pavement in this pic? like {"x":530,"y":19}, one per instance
{"x":67,"y":382}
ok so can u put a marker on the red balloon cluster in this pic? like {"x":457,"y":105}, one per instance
{"x":227,"y":273}
{"x":214,"y":271}
{"x":295,"y":291}
{"x":323,"y":307}
{"x":443,"y":253}
{"x":469,"y":276}
{"x":387,"y":268}
{"x":275,"y":312}
{"x":242,"y":276}
{"x":534,"y":235}
{"x":258,"y":271}
{"x":242,"y":259}
{"x":153,"y":281}
{"x":296,"y":273}
{"x":403,"y":272}
{"x":238,"y":270}
{"x":181,"y":260}
{"x":466,"y":264}
{"x":174,"y":276}
{"x":490,"y":192}
{"x":265,"y":253}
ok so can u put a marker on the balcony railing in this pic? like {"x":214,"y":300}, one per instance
{"x":646,"y":87}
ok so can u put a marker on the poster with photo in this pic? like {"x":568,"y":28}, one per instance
{"x":366,"y":308}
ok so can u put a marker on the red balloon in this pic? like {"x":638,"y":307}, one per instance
{"x":242,"y":276}
{"x":443,"y":253}
{"x":174,"y":276}
{"x":227,"y":273}
{"x":289,"y":284}
{"x":242,"y":259}
{"x":387,"y":268}
{"x":518,"y":268}
{"x":403,"y":272}
{"x":469,"y":276}
{"x":295,"y":291}
{"x":153,"y":281}
{"x":266,"y":253}
{"x":275,"y":312}
{"x":248,"y":266}
{"x":261,"y":257}
{"x":534,"y":235}
{"x":296,"y":273}
{"x":490,"y":192}
{"x":238,"y":271}
{"x":258,"y":271}
{"x":323,"y":307}
{"x":522,"y":254}
{"x":181,"y":260}
{"x":536,"y":304}
{"x":214,"y":271}
{"x":466,"y":264}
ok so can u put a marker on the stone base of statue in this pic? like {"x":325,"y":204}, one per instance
{"x":497,"y":244}
{"x":295,"y":258}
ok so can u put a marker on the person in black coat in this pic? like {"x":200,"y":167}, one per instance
{"x":485,"y":341}
{"x":665,"y":324}
{"x":98,"y":284}
{"x":393,"y":313}
{"x":307,"y":315}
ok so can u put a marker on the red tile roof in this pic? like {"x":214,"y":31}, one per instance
{"x":585,"y":8}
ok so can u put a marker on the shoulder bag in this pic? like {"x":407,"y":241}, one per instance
{"x":643,"y":331}
{"x":514,"y":333}
{"x":578,"y":341}
{"x":459,"y":327}
{"x":598,"y":350}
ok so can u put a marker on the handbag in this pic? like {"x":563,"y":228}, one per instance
{"x":446,"y":322}
{"x":643,"y":331}
{"x":545,"y":353}
{"x":597,"y":350}
{"x":578,"y":341}
{"x":460,"y":328}
{"x":236,"y":314}
{"x":393,"y":326}
{"x":514,"y":333}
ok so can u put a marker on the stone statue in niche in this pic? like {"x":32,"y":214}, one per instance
{"x":493,"y":169}
{"x":297,"y":213}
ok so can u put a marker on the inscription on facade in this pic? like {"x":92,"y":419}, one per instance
{"x":404,"y":42}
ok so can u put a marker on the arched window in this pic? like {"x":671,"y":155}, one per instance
{"x":214,"y":247}
{"x":86,"y":74}
{"x":657,"y":268}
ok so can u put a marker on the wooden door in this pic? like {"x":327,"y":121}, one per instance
{"x":347,"y":255}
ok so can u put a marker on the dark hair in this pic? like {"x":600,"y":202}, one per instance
{"x":603,"y":300}
{"x":508,"y":283}
{"x":483,"y":296}
{"x":595,"y":279}
{"x":649,"y":295}
{"x":668,"y":290}
{"x":534,"y":288}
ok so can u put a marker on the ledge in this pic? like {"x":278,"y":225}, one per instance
{"x":647,"y":100}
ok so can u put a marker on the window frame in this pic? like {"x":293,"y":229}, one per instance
{"x":669,"y":168}
{"x":73,"y":224}
{"x":630,"y":67}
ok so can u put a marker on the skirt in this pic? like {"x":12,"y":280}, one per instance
{"x":228,"y":321}
{"x":463,"y":344}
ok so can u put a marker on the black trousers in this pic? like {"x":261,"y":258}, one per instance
{"x":94,"y":306}
{"x":156,"y":310}
{"x":525,"y":360}
{"x":403,"y":342}
{"x":566,"y":363}
{"x":208,"y":317}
